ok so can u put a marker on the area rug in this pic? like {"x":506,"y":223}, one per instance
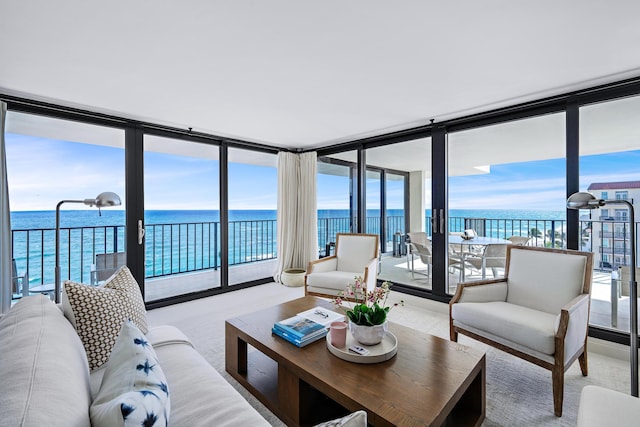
{"x":518,"y":393}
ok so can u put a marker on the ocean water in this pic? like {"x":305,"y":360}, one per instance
{"x":189,"y":240}
{"x":27,"y":220}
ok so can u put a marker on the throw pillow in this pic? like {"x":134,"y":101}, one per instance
{"x":97,"y":312}
{"x":356,"y":419}
{"x":134,"y":390}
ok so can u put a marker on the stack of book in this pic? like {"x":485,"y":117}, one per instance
{"x":306,"y":327}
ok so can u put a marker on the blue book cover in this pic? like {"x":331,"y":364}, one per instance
{"x":297,"y":342}
{"x":300,"y":327}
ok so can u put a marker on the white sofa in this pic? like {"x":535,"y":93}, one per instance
{"x":46,"y":380}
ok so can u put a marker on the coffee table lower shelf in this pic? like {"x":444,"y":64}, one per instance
{"x":292,"y":400}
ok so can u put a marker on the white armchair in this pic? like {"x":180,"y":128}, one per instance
{"x":355,"y":255}
{"x":539,"y":311}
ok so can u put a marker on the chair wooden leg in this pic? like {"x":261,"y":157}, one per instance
{"x":583,"y":364}
{"x":453,"y":335}
{"x":557,"y":378}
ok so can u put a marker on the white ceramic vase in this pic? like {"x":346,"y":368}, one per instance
{"x":368,"y":335}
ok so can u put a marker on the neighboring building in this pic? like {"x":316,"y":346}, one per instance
{"x":610,"y":234}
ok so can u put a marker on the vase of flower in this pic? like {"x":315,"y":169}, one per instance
{"x":368,"y":317}
{"x":368,"y":335}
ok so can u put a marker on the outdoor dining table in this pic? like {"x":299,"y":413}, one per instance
{"x":476,"y":241}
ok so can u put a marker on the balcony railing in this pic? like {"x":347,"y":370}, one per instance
{"x":187,"y":247}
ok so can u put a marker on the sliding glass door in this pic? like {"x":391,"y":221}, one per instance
{"x":507,"y":180}
{"x":406,"y":191}
{"x":67,"y":164}
{"x":609,"y":158}
{"x":336,"y":202}
{"x":181,"y":218}
{"x":253,"y":202}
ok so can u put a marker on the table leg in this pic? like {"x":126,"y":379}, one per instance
{"x":289,"y":394}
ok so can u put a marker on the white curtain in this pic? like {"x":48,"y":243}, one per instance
{"x":5,"y":222}
{"x":297,"y":211}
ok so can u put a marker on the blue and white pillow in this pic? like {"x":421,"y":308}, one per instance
{"x":134,"y":390}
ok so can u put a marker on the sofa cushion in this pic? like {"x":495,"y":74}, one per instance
{"x":333,"y":280}
{"x":97,"y":312}
{"x":199,"y":394}
{"x":530,"y":328}
{"x":43,"y":367}
{"x":134,"y":389}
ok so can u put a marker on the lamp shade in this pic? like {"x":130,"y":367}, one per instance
{"x":583,"y":200}
{"x":107,"y":198}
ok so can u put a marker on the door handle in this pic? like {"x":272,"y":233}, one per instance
{"x":441,"y":221}
{"x":434,"y":221}
{"x":141,"y":232}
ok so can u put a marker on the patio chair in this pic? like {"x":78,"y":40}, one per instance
{"x":21,"y":287}
{"x":418,"y":237}
{"x":519,"y":240}
{"x":19,"y":282}
{"x":539,"y":310}
{"x":420,"y":246}
{"x":355,"y":255}
{"x":106,"y":265}
{"x":493,"y":256}
{"x":423,"y":251}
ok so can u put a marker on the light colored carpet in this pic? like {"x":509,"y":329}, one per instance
{"x":518,"y":393}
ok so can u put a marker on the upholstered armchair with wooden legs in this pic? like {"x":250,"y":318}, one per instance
{"x":355,"y":255}
{"x":539,"y":311}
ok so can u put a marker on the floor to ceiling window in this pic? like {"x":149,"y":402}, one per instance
{"x":407,"y":198}
{"x":336,"y":202}
{"x":609,"y":158}
{"x":395,"y":187}
{"x":51,"y":160}
{"x":373,"y":193}
{"x":253,"y":186}
{"x":182,"y":217}
{"x":505,"y":180}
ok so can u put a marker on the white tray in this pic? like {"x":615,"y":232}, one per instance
{"x":378,"y":353}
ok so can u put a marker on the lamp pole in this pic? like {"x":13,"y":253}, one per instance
{"x":105,"y":199}
{"x":583,"y":200}
{"x":633,"y":296}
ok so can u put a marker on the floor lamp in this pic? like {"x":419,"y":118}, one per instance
{"x":103,"y":200}
{"x":584,"y":200}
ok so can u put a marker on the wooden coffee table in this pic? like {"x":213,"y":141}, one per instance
{"x":430,"y":381}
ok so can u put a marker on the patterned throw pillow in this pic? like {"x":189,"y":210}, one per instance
{"x":97,"y":312}
{"x":355,"y":419}
{"x":134,"y":390}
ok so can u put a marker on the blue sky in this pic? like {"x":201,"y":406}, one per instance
{"x":43,"y":172}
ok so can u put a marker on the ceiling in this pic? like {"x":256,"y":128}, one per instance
{"x":298,"y":74}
